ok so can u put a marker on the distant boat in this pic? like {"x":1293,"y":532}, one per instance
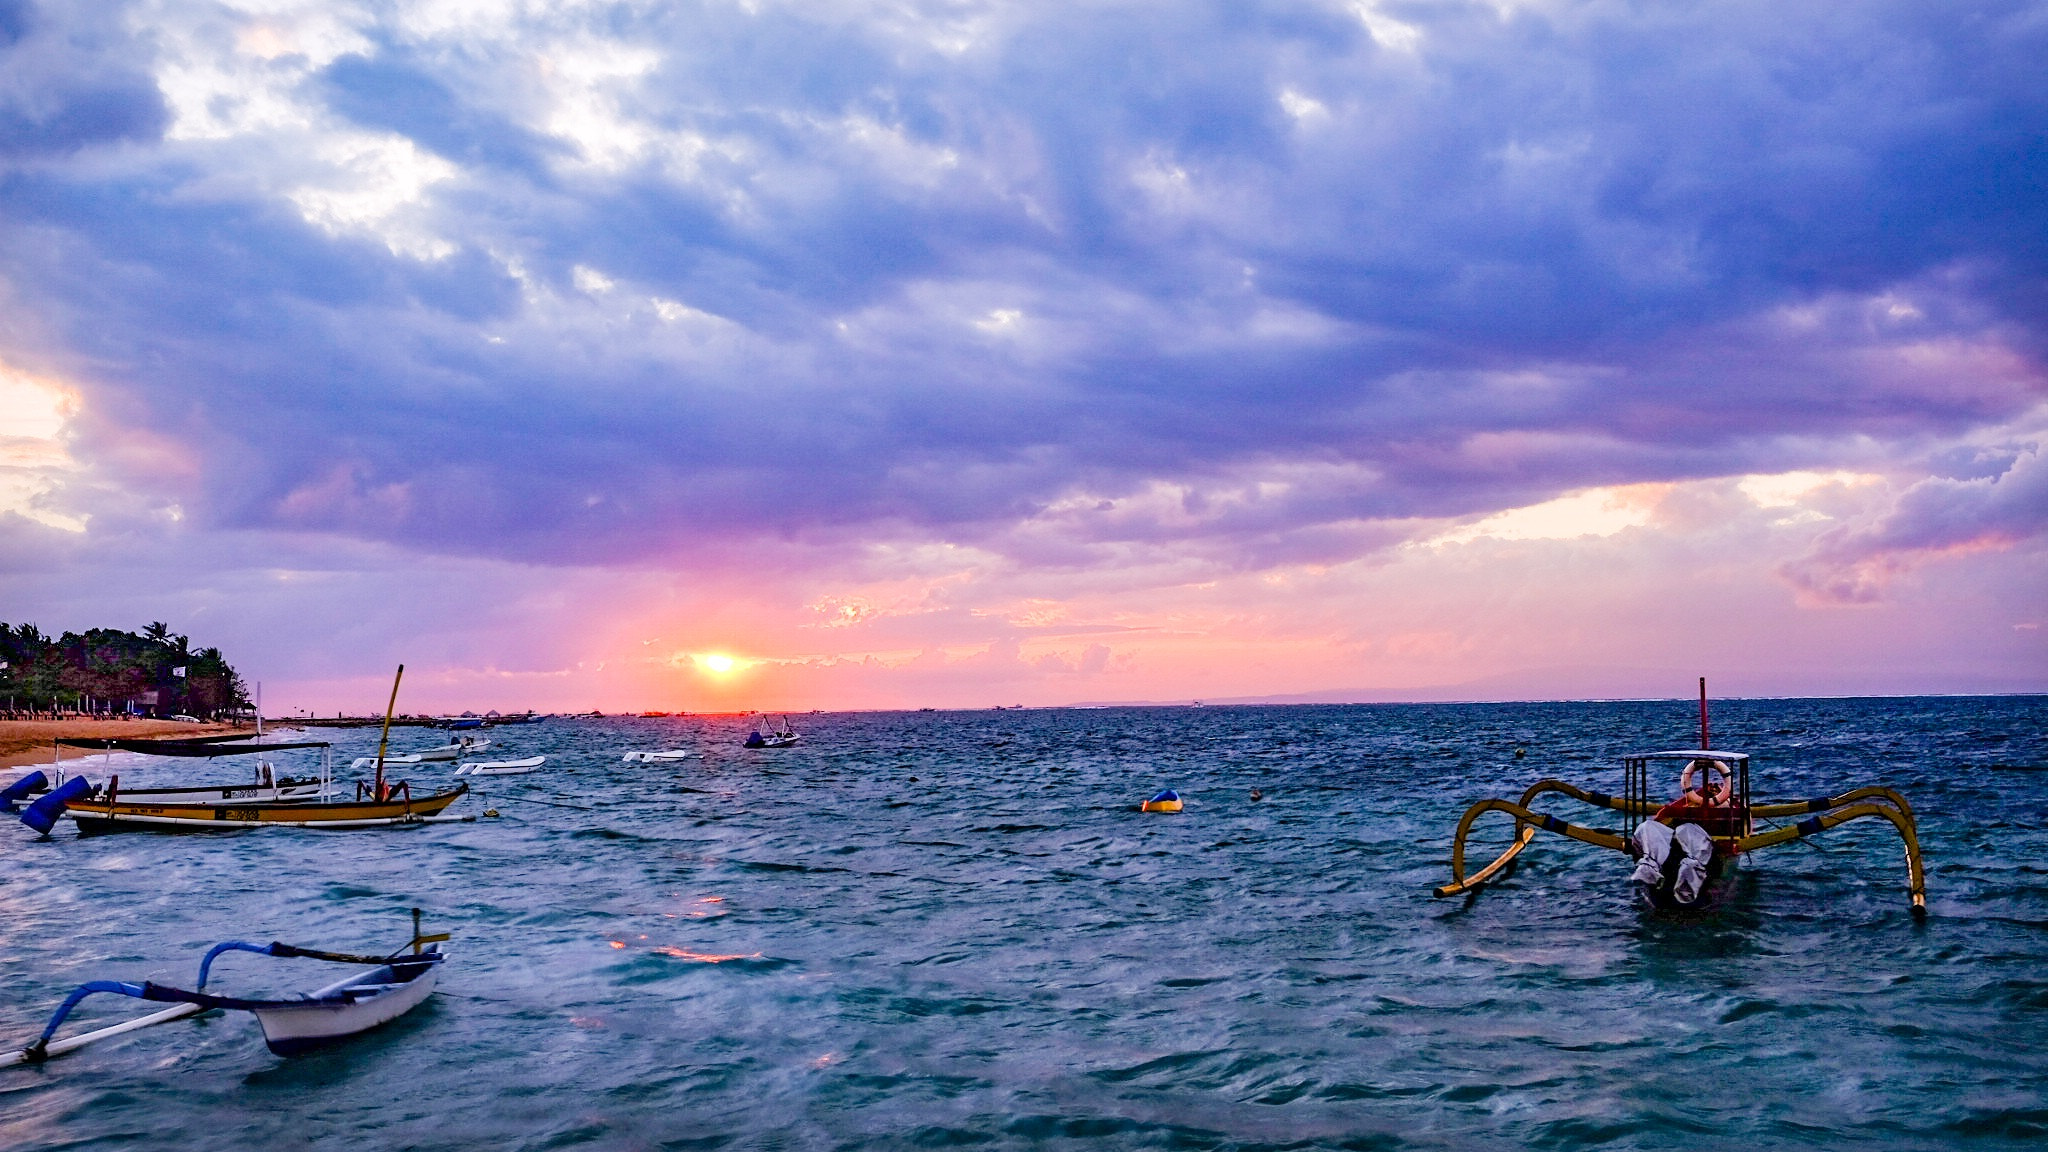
{"x":780,"y":736}
{"x":671,"y":754}
{"x":501,"y":767}
{"x":453,"y":750}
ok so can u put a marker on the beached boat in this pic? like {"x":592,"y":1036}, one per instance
{"x":782,"y":735}
{"x":651,"y":757}
{"x":393,"y":985}
{"x":501,"y":767}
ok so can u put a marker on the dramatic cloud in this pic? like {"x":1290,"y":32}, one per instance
{"x":1082,"y":301}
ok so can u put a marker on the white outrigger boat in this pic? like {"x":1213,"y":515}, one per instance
{"x":391,"y":987}
{"x":652,"y":757}
{"x":453,"y":750}
{"x":501,"y":767}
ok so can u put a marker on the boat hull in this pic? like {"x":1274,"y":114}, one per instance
{"x":95,"y":817}
{"x":334,"y":1013}
{"x":501,"y":767}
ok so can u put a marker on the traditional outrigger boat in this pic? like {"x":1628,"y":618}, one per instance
{"x":392,"y":986}
{"x":101,"y":809}
{"x":1676,"y":869}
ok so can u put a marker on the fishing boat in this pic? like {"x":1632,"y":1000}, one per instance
{"x":385,"y":805}
{"x":392,"y":986}
{"x":1685,"y":850}
{"x":651,"y":757}
{"x":376,"y":803}
{"x":501,"y":767}
{"x":782,"y":735}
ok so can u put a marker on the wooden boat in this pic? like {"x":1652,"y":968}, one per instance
{"x":267,"y":788}
{"x":501,"y":767}
{"x":376,"y":804}
{"x":1721,"y":818}
{"x":651,"y":757}
{"x":115,"y":813}
{"x":393,"y":985}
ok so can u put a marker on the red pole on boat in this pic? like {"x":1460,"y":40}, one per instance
{"x":386,"y":737}
{"x":1703,"y":715}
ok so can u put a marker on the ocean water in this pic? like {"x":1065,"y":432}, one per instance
{"x":928,"y":930}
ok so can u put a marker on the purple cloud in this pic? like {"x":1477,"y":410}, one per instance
{"x":617,"y":284}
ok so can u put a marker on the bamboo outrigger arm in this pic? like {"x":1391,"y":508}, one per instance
{"x":1901,"y":818}
{"x":1827,"y":803}
{"x":1526,"y":824}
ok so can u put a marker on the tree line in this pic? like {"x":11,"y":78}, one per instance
{"x":153,"y":673}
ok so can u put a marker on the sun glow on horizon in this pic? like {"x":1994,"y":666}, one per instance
{"x":717,"y":663}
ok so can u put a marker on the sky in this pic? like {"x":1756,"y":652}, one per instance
{"x":828,"y":354}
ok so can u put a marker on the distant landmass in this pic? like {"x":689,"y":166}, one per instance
{"x":1606,"y":682}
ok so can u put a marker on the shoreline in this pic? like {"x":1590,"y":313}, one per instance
{"x":27,"y":743}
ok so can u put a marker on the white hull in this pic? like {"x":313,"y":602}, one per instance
{"x":295,"y":1028}
{"x":501,"y":767}
{"x":650,"y":757}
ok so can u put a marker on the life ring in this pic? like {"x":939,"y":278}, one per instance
{"x":1685,"y":778}
{"x":1167,"y":801}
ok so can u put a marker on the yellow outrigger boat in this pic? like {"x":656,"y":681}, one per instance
{"x":112,"y":814}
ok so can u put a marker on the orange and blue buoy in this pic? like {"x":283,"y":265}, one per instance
{"x":1167,"y":801}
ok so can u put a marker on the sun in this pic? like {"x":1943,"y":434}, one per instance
{"x":717,"y":663}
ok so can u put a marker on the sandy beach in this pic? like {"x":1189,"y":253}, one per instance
{"x":24,"y":742}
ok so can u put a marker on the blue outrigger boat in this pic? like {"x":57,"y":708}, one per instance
{"x":394,"y":985}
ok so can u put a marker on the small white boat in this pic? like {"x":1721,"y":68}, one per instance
{"x":350,"y":1006}
{"x":392,"y":986}
{"x":501,"y":767}
{"x":454,"y":750}
{"x":367,"y":761}
{"x":671,"y":754}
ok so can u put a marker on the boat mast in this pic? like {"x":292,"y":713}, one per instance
{"x":1704,"y":746}
{"x":386,"y":737}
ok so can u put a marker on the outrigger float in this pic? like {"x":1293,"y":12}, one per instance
{"x":392,"y":986}
{"x":1686,"y":850}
